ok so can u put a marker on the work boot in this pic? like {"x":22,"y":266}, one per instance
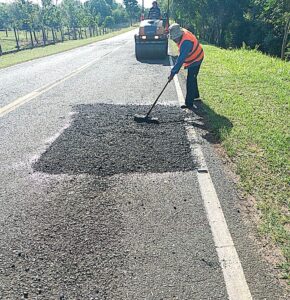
{"x":184,"y":106}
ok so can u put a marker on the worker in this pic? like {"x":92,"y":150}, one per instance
{"x":154,"y":12}
{"x":190,"y":56}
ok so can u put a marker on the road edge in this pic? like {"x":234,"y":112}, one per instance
{"x":234,"y":277}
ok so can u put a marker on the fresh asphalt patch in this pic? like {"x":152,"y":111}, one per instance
{"x":104,"y":140}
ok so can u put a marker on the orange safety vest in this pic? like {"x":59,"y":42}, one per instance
{"x":197,"y":53}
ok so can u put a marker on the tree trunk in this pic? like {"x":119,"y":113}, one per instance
{"x":75,"y":34}
{"x":62,"y":35}
{"x":35,"y":37}
{"x":6,"y":32}
{"x":16,"y":38}
{"x":53,"y":35}
{"x":285,"y":39}
{"x":31,"y":38}
{"x":43,"y":36}
{"x":68,"y":33}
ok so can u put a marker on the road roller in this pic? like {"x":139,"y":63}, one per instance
{"x":151,"y":40}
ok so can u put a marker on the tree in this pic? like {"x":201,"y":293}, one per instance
{"x":268,"y":22}
{"x":100,"y":8}
{"x":51,"y":18}
{"x":16,"y":19}
{"x":120,"y":15}
{"x":70,"y":13}
{"x":109,"y":22}
{"x":285,"y":37}
{"x":229,"y":23}
{"x":132,"y":9}
{"x":4,"y":17}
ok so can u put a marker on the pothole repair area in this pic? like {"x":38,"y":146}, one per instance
{"x":104,"y":140}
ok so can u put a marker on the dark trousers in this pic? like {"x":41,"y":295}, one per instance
{"x":191,"y":84}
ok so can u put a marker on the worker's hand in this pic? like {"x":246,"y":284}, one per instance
{"x":170,"y":77}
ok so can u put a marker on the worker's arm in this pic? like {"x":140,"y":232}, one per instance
{"x":185,"y":49}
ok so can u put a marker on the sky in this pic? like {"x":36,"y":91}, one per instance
{"x":147,"y":3}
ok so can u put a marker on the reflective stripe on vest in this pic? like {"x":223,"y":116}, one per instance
{"x":196,"y":53}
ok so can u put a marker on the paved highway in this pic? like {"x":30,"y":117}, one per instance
{"x":95,"y":206}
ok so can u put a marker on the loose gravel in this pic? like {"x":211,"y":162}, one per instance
{"x":104,"y":140}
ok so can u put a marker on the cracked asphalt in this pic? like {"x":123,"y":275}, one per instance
{"x":95,"y":206}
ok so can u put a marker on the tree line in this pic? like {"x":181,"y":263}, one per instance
{"x":70,"y":19}
{"x":260,"y":24}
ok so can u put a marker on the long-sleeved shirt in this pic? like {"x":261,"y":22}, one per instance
{"x":185,"y":49}
{"x":154,"y":13}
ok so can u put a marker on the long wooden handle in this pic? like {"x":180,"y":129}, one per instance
{"x":157,"y":99}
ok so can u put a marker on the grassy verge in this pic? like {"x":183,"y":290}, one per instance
{"x":251,"y":91}
{"x":26,"y":55}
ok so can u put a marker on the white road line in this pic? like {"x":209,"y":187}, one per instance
{"x":237,"y":287}
{"x":34,"y":94}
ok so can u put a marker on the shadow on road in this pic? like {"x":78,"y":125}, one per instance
{"x":155,"y":61}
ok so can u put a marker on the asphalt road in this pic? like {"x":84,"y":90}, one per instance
{"x":95,"y":206}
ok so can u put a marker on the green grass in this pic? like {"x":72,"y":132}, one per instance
{"x":246,"y":96}
{"x":26,"y":55}
{"x":8,"y":42}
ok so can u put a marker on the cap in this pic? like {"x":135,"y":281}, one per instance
{"x":175,"y":31}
